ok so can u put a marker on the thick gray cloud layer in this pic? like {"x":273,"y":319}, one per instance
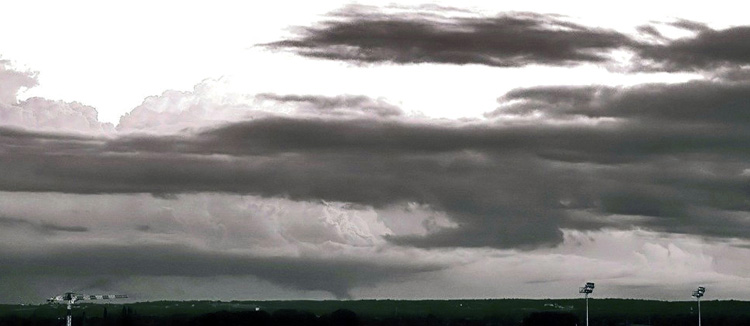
{"x":360,"y":34}
{"x":672,"y":155}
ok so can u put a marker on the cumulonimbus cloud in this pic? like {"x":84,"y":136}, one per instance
{"x":340,"y":193}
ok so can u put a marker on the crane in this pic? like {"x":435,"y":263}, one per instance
{"x":70,"y":298}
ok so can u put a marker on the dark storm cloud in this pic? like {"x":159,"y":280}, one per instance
{"x":508,"y":40}
{"x":511,"y":40}
{"x":690,"y":25}
{"x":10,"y":222}
{"x":344,"y":105}
{"x":733,"y":75}
{"x":293,"y":160}
{"x":336,"y":275}
{"x":673,"y":155}
{"x":680,"y":149}
{"x":651,"y":31}
{"x":697,"y":103}
{"x":708,"y":49}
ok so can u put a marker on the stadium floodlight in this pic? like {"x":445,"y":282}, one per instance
{"x":698,"y":293}
{"x":586,"y":290}
{"x":71,"y":298}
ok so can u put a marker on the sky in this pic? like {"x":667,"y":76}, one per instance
{"x":351,"y":150}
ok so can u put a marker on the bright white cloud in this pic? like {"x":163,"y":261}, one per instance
{"x":12,"y":81}
{"x":174,"y":111}
{"x":39,"y":113}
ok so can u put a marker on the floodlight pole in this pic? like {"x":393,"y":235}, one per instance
{"x":587,"y":309}
{"x":698,"y":294}
{"x":586,"y":289}
{"x":699,"y":311}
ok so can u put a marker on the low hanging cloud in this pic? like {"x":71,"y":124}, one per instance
{"x":336,"y":275}
{"x":240,"y":242}
{"x":303,"y":246}
{"x":45,"y":228}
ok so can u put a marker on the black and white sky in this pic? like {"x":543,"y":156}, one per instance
{"x":196,"y":150}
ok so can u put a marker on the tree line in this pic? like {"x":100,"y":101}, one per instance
{"x":128,"y":316}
